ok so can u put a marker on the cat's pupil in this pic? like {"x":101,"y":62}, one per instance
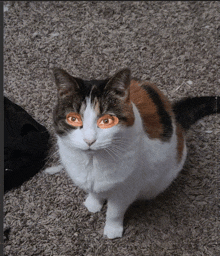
{"x":73,"y":119}
{"x":105,"y":121}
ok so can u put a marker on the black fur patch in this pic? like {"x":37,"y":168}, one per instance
{"x":165,"y":118}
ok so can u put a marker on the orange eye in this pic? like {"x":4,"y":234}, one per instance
{"x":107,"y":121}
{"x":74,"y":119}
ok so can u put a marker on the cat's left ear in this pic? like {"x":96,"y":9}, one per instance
{"x":119,"y":84}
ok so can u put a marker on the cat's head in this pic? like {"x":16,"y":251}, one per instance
{"x":92,"y":114}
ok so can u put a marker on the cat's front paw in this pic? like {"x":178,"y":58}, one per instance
{"x":113,"y":231}
{"x":53,"y":169}
{"x":93,"y":204}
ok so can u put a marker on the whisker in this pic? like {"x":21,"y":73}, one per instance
{"x":118,"y":148}
{"x":121,"y":140}
{"x":123,"y":147}
{"x":103,"y":153}
{"x":104,"y":146}
{"x":114,"y":156}
{"x":54,"y":154}
{"x":107,"y":150}
{"x":115,"y":153}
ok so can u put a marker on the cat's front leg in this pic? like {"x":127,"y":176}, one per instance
{"x":54,"y":169}
{"x":93,"y":203}
{"x":115,"y":216}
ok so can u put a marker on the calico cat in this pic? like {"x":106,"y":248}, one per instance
{"x":120,"y":139}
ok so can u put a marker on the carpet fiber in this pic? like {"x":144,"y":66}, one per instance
{"x":173,"y":44}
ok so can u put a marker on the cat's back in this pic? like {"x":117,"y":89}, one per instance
{"x":163,"y":147}
{"x":154,"y":108}
{"x":160,"y":126}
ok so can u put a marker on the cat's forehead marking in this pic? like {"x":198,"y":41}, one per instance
{"x":96,"y":106}
{"x":88,"y":104}
{"x":94,"y":100}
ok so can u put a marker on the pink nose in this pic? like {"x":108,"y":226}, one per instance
{"x":89,"y":142}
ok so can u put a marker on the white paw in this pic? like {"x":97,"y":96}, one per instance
{"x":53,"y":169}
{"x":93,"y":204}
{"x":113,"y":231}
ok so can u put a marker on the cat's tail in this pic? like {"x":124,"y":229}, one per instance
{"x":188,"y":111}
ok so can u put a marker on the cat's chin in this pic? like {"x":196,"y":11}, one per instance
{"x":89,"y":151}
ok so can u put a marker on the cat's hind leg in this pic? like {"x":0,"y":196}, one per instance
{"x":93,"y":203}
{"x":53,"y":169}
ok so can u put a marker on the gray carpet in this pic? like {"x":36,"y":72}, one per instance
{"x":173,"y":44}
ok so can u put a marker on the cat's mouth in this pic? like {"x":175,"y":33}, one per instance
{"x":89,"y":150}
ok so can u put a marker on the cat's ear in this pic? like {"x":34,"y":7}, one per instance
{"x":66,"y":84}
{"x":120,"y":83}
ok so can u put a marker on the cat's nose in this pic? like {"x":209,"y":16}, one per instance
{"x":90,"y":142}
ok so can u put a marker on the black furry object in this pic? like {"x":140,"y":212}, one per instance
{"x":26,"y":143}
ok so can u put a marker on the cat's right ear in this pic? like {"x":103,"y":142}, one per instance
{"x":66,"y":84}
{"x":119,"y":83}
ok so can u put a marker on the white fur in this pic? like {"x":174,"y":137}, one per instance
{"x":53,"y":169}
{"x":124,"y":165}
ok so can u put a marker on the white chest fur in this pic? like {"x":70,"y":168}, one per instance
{"x":97,"y":172}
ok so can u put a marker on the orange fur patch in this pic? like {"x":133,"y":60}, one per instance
{"x":180,"y":141}
{"x":147,"y":109}
{"x":129,"y":113}
{"x":96,"y":106}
